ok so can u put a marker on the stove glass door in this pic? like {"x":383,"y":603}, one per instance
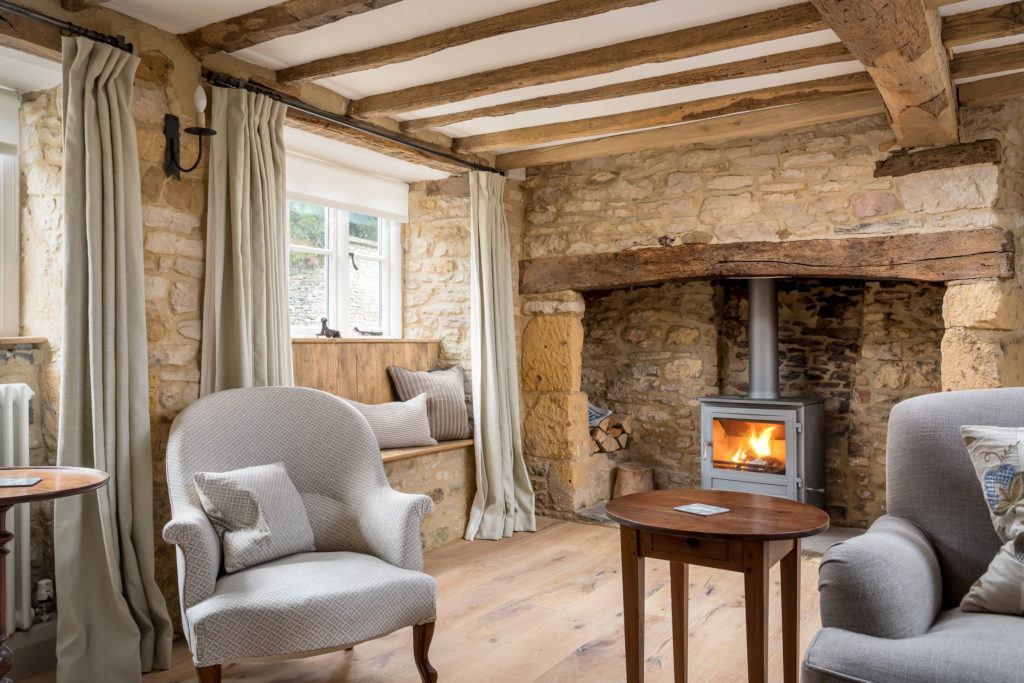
{"x":748,"y":445}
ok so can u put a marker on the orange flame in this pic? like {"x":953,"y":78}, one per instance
{"x":758,"y":446}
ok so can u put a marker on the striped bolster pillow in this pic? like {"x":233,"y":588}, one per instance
{"x":446,"y":399}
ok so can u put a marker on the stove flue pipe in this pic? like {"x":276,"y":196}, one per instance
{"x":763,"y":334}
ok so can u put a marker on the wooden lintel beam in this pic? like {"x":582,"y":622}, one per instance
{"x":27,"y":35}
{"x":754,"y":28}
{"x":790,"y":93}
{"x":276,"y":21}
{"x":79,"y":5}
{"x":757,"y":66}
{"x":328,"y":129}
{"x":983,"y":24}
{"x":903,"y":162}
{"x":899,"y":42}
{"x":420,"y":46}
{"x":957,"y":255}
{"x":752,"y":123}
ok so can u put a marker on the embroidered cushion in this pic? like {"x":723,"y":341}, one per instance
{"x":446,"y":399}
{"x":402,"y":424}
{"x":998,"y":457}
{"x":257,"y":512}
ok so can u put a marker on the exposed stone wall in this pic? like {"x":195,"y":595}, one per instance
{"x":650,"y":353}
{"x":814,"y":182}
{"x":446,"y":477}
{"x":861,"y":348}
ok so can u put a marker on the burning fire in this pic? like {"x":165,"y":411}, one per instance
{"x":758,"y":445}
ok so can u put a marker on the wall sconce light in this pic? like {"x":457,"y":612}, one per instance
{"x":172,"y":134}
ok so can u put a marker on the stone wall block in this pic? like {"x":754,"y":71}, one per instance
{"x":971,"y":359}
{"x":556,"y":425}
{"x":552,"y":349}
{"x":984,"y":304}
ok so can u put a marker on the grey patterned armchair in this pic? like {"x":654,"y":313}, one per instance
{"x":890,"y":598}
{"x":364,"y":581}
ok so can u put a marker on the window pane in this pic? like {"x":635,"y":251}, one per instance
{"x":307,"y":289}
{"x":364,"y":234}
{"x":364,"y":295}
{"x":308,"y":224}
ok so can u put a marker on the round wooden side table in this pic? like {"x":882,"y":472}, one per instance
{"x":55,"y":482}
{"x":753,"y":535}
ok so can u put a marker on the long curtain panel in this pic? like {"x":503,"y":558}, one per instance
{"x":113,"y":622}
{"x":504,"y":500}
{"x":246,"y":333}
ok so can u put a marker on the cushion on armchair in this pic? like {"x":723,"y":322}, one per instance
{"x":257,"y":512}
{"x":998,"y":459}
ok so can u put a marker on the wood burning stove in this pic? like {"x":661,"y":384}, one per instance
{"x":764,"y":443}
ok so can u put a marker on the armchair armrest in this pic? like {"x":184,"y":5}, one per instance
{"x":885,"y":583}
{"x":199,"y":555}
{"x":390,"y":525}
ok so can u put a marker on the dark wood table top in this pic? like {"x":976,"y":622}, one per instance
{"x":750,"y":517}
{"x":56,"y":483}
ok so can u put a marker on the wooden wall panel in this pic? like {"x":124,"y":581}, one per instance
{"x":356,"y":369}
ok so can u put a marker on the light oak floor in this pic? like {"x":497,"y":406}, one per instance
{"x":543,"y":607}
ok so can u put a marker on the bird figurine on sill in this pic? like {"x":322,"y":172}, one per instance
{"x":326,"y":331}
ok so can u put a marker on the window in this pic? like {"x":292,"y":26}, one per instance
{"x":344,"y":266}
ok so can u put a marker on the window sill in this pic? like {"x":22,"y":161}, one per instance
{"x":9,"y":342}
{"x":393,"y":454}
{"x":359,"y":340}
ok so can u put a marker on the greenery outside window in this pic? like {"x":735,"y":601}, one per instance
{"x":344,"y":266}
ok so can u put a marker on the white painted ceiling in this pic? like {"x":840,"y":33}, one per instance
{"x":410,"y":18}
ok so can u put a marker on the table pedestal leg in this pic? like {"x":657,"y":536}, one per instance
{"x":755,"y":581}
{"x":789,"y":569}
{"x":6,"y":658}
{"x":633,"y":604}
{"x":679,"y":577}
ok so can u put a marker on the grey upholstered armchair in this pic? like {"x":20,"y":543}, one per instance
{"x":890,"y":598}
{"x":367,"y":581}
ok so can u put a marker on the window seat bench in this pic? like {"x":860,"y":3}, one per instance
{"x":393,"y":454}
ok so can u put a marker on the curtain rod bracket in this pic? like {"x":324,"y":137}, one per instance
{"x":66,"y":26}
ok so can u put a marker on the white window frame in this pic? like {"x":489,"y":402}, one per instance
{"x":9,"y":243}
{"x":337,"y":253}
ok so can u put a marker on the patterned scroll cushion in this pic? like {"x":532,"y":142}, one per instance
{"x":257,"y":512}
{"x":402,"y":424}
{"x":998,"y":457}
{"x":446,"y":398}
{"x":304,"y":602}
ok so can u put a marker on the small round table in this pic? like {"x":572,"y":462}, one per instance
{"x":56,"y":482}
{"x":753,"y":535}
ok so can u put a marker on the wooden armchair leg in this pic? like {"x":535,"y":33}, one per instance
{"x":421,"y":636}
{"x":208,"y":674}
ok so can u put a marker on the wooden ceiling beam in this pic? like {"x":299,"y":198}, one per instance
{"x":899,"y":42}
{"x":757,"y":66}
{"x":770,"y":25}
{"x":27,"y":35}
{"x":791,"y":93}
{"x":396,"y":150}
{"x":420,"y":46}
{"x":988,"y":61}
{"x":760,"y":122}
{"x":983,"y":24}
{"x":276,"y":21}
{"x":991,"y":90}
{"x":79,"y":5}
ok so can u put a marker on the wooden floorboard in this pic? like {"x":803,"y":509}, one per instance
{"x":543,"y":607}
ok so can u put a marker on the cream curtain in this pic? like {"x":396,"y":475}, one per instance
{"x":246,"y":333}
{"x":504,"y":498}
{"x":113,"y":623}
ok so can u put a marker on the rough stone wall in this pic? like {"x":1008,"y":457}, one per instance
{"x":447,"y":477}
{"x":814,"y":182}
{"x":651,"y":353}
{"x":862,"y":348}
{"x":25,"y":363}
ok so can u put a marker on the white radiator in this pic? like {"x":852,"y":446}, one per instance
{"x":14,"y":413}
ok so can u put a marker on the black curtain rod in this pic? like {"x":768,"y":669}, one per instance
{"x":225,"y":81}
{"x":74,"y":29}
